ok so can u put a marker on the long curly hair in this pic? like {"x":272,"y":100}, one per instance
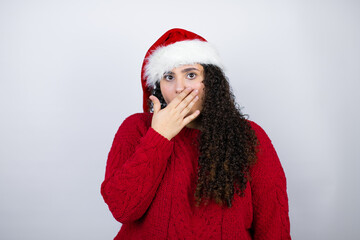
{"x":227,"y":143}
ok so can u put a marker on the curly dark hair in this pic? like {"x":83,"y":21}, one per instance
{"x":227,"y":143}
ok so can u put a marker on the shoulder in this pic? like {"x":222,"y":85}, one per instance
{"x":259,"y":132}
{"x":268,"y":163}
{"x":135,"y":124}
{"x":138,"y":118}
{"x":264,"y":143}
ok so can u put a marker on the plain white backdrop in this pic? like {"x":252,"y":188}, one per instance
{"x":70,"y":74}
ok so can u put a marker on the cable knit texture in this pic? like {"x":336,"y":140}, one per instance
{"x":150,"y":183}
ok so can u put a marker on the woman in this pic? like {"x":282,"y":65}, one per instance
{"x":191,"y":166}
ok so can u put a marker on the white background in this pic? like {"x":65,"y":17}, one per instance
{"x":70,"y":74}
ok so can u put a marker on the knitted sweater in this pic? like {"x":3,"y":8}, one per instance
{"x":150,"y":182}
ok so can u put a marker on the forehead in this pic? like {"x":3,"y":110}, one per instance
{"x":188,"y":67}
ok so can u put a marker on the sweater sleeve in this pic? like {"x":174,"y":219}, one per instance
{"x":268,"y":189}
{"x":135,"y":166}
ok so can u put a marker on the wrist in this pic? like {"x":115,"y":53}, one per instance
{"x":162,"y":133}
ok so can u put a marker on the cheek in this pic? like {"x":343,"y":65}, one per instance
{"x":200,"y":87}
{"x":166,"y":93}
{"x":197,"y":85}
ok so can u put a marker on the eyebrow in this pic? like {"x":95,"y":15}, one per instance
{"x":184,"y":70}
{"x":189,"y":69}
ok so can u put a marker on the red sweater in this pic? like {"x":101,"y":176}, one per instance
{"x":150,"y":181}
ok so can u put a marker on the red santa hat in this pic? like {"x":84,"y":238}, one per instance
{"x":175,"y":48}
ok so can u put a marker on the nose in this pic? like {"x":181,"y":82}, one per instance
{"x":181,"y":84}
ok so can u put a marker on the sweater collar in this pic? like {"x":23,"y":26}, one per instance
{"x":188,"y":132}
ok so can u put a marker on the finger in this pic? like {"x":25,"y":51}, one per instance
{"x":156,"y":103}
{"x":187,"y":100}
{"x":188,"y":119}
{"x":189,"y":106}
{"x":175,"y":102}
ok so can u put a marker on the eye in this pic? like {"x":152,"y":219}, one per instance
{"x":191,"y":75}
{"x":168,"y":77}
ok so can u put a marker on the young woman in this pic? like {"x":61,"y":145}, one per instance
{"x":192,"y":166}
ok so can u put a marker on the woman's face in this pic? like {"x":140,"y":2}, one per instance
{"x":179,"y":78}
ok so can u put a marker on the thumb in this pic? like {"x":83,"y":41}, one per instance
{"x":156,"y":103}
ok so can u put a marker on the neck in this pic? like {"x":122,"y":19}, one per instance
{"x":194,"y":124}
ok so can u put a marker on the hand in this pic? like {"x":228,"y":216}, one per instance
{"x":169,"y":121}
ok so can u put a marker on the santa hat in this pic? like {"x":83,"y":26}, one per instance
{"x":175,"y":48}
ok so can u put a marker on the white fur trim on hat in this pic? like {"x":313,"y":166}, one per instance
{"x":163,"y":59}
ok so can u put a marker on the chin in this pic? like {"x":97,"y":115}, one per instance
{"x":191,"y":112}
